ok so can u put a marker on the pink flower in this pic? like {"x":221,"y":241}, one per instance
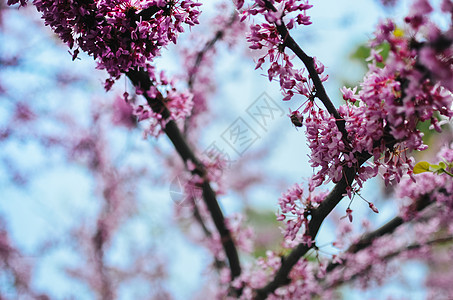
{"x":373,"y":208}
{"x":349,"y":95}
{"x":348,"y":214}
{"x":119,"y":35}
{"x":22,"y":2}
{"x":123,"y":113}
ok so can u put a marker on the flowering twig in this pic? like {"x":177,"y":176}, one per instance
{"x":389,"y":256}
{"x":193,"y":69}
{"x":367,"y":239}
{"x":309,"y":63}
{"x":140,"y":78}
{"x":217,"y":37}
{"x":318,"y":216}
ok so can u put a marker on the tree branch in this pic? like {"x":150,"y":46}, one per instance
{"x":141,"y":79}
{"x":199,"y":58}
{"x":309,"y":63}
{"x":219,"y":264}
{"x":218,"y":36}
{"x":318,"y":216}
{"x":441,"y":240}
{"x":368,"y":238}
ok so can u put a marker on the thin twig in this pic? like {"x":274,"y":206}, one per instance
{"x":309,"y":63}
{"x":367,"y":239}
{"x":199,"y":58}
{"x":389,"y":256}
{"x":209,"y":45}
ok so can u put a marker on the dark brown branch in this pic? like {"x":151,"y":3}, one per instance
{"x":387,"y":228}
{"x":415,"y":246}
{"x":367,"y":239}
{"x":141,"y":79}
{"x":309,"y":63}
{"x":219,"y":264}
{"x":318,"y":216}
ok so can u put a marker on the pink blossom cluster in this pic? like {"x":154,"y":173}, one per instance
{"x":381,"y":118}
{"x":280,"y":10}
{"x":123,"y":113}
{"x":328,"y":150}
{"x":266,"y":36}
{"x":243,"y":235}
{"x":215,"y":165}
{"x":254,"y":277}
{"x":304,"y":279}
{"x":120,"y":35}
{"x":21,"y":2}
{"x":435,"y":50}
{"x":395,"y":98}
{"x":438,"y":280}
{"x":295,"y":209}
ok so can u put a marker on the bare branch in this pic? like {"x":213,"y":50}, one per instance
{"x":208,"y":46}
{"x":199,"y":58}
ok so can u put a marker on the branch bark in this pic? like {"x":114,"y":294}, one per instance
{"x":318,"y":216}
{"x":141,"y":78}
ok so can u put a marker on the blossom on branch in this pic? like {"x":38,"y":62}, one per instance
{"x":120,"y":35}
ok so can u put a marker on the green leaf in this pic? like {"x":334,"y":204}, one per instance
{"x":422,"y":167}
{"x":436,"y":169}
